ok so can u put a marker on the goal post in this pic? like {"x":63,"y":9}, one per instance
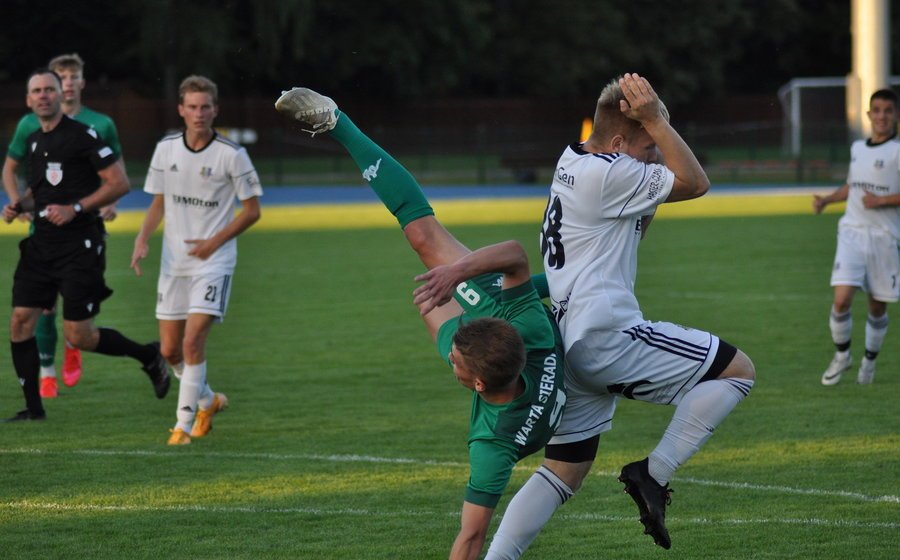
{"x":814,"y":110}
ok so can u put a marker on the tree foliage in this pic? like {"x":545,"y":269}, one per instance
{"x":552,"y":49}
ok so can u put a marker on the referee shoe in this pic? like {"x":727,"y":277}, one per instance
{"x":26,"y":414}
{"x":158,"y":372}
{"x":308,"y":107}
{"x":651,"y":499}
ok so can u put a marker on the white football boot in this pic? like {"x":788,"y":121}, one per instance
{"x":866,"y":371}
{"x":308,"y":107}
{"x":839,"y":364}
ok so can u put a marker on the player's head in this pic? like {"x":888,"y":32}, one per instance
{"x":43,"y":93}
{"x":70,"y":68}
{"x":198,"y":103}
{"x":487,"y":354}
{"x":615,"y":131}
{"x":883,"y":113}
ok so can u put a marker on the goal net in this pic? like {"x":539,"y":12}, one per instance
{"x":815,"y":115}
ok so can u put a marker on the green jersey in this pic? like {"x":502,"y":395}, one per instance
{"x":105,"y":127}
{"x":501,"y":435}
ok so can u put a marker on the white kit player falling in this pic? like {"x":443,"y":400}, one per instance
{"x":602,"y":198}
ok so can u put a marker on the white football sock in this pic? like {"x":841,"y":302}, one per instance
{"x":48,"y":371}
{"x":178,"y":369}
{"x":876,"y":329}
{"x":527,"y":513}
{"x":841,"y":325}
{"x":701,"y":410}
{"x":206,"y":397}
{"x":193,"y":380}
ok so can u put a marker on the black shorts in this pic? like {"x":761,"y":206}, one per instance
{"x":72,"y":268}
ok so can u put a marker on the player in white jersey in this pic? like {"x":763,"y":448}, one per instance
{"x":602,"y":198}
{"x":194,"y":177}
{"x":868,"y":249}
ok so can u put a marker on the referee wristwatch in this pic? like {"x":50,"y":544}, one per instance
{"x":78,"y":208}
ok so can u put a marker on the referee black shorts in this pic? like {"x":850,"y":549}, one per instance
{"x":72,"y":268}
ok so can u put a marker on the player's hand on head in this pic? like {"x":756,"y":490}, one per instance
{"x":641,"y":102}
{"x":439,"y":284}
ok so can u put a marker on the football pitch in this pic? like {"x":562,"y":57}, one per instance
{"x":346,"y":435}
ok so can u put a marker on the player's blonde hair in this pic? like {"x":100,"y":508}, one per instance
{"x":492,"y":350}
{"x":202,"y":84}
{"x":70,"y":61}
{"x":608,"y":117}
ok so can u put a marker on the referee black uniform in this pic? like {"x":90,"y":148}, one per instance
{"x":69,"y":259}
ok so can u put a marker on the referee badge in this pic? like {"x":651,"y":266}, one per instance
{"x":54,"y":173}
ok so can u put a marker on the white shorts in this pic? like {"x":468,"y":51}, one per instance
{"x":653,"y":362}
{"x":868,"y":258}
{"x":179,"y":296}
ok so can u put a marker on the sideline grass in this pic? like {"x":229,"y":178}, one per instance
{"x":346,"y":435}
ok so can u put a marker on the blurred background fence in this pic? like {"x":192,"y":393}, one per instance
{"x":472,"y":141}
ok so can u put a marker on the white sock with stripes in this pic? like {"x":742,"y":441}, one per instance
{"x":527,"y":513}
{"x":701,"y":410}
{"x":191,"y":386}
{"x":841,"y":325}
{"x":876,"y":329}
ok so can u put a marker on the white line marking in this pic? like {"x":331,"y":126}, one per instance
{"x":51,"y":506}
{"x":453,"y":464}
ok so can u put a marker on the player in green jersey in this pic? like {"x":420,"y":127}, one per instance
{"x":482,"y":310}
{"x":70,"y":69}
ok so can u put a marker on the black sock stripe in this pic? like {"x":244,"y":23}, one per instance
{"x":563,"y":494}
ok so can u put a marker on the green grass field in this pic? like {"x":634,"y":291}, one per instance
{"x":346,"y":434}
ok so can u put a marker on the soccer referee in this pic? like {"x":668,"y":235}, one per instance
{"x":71,"y":174}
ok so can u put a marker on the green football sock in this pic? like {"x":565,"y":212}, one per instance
{"x":393,"y":184}
{"x":46,"y":338}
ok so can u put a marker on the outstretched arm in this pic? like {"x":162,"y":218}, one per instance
{"x":508,"y":258}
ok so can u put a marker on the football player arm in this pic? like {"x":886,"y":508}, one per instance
{"x":508,"y":258}
{"x":108,"y":213}
{"x":642,"y":104}
{"x":838,"y":195}
{"x":874,"y":201}
{"x":249,"y":215}
{"x":20,"y":207}
{"x":474,"y":523}
{"x":151,"y":221}
{"x":645,"y":224}
{"x":113,"y":186}
{"x":10,"y":181}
